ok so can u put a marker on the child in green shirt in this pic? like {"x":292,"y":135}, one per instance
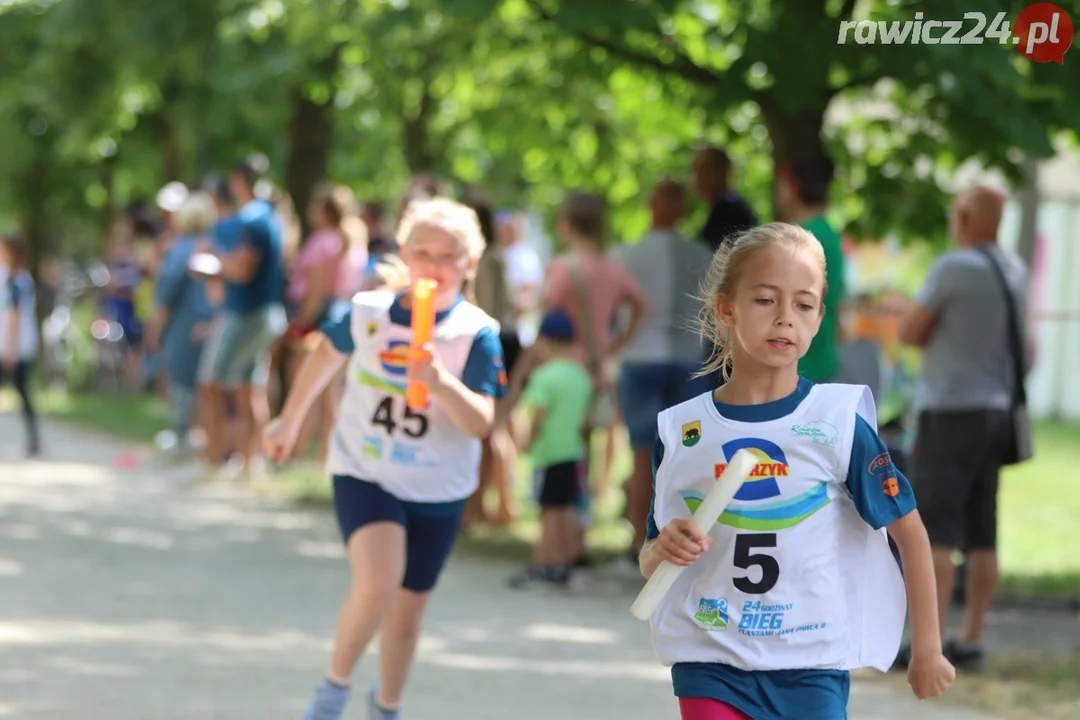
{"x":558,"y":395}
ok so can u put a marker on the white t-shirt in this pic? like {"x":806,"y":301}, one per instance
{"x":525,"y":280}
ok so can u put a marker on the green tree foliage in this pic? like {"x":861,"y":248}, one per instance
{"x":102,"y":102}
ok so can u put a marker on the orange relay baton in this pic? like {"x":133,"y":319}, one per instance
{"x":423,"y":322}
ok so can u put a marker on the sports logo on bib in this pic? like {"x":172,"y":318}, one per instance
{"x":395,"y":358}
{"x":691,"y":433}
{"x":760,"y":503}
{"x":712,"y":614}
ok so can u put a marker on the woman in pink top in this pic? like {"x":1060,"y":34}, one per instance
{"x":328,"y":271}
{"x":330,"y":267}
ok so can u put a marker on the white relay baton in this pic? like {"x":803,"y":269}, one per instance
{"x":716,"y":501}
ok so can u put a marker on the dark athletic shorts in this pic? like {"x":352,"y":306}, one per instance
{"x":430,"y":528}
{"x":511,"y":347}
{"x":559,"y":485}
{"x":954,"y":473}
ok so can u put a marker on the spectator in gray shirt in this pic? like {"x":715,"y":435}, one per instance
{"x":658,"y":364}
{"x":965,"y":394}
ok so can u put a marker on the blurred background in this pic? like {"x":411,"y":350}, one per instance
{"x":113,"y":112}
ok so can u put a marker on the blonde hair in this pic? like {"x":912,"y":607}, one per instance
{"x":456,"y":220}
{"x":197,"y":214}
{"x":723,"y":276}
{"x":442,"y":214}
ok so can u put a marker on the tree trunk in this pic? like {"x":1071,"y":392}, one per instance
{"x":167,"y":133}
{"x":108,"y":181}
{"x":794,"y":135}
{"x":311,"y":141}
{"x":172,"y":156}
{"x":417,"y":142}
{"x":1029,"y":211}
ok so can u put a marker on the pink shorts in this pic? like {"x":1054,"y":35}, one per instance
{"x":709,"y":709}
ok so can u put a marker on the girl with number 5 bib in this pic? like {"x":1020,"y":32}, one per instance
{"x":401,"y":476}
{"x":796,"y":584}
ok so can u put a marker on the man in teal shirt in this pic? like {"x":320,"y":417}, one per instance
{"x":802,"y":192}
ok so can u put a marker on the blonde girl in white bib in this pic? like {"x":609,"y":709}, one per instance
{"x":401,"y":476}
{"x":796,"y":584}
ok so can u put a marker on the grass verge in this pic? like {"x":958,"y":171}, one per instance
{"x":1017,"y":687}
{"x":1038,"y":532}
{"x":129,"y":417}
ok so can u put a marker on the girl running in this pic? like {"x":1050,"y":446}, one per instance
{"x":800,"y":585}
{"x":401,"y":477}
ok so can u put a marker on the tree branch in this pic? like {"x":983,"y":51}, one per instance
{"x":848,"y":9}
{"x":683,"y":66}
{"x":862,"y":81}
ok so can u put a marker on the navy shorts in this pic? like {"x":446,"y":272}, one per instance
{"x":647,"y":389}
{"x":430,"y":528}
{"x":559,"y":485}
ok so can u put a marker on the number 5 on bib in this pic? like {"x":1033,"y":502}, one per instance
{"x":423,"y":322}
{"x":712,"y":507}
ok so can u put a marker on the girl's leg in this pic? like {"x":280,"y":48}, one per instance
{"x":374,"y":523}
{"x":549,"y":545}
{"x":560,"y":549}
{"x":245,"y":421}
{"x":22,"y":386}
{"x":397,"y":645}
{"x":503,"y":459}
{"x":611,"y":446}
{"x":214,"y":422}
{"x":377,"y":559}
{"x":431,"y":532}
{"x":292,"y":358}
{"x":709,"y":709}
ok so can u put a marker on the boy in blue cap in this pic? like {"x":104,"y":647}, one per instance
{"x":558,"y":395}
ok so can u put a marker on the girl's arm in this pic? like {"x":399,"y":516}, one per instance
{"x":911,"y":539}
{"x":316,"y":372}
{"x":472,"y":412}
{"x":469,"y":400}
{"x":648,"y":561}
{"x":679,"y":543}
{"x":319,"y":290}
{"x":527,"y":362}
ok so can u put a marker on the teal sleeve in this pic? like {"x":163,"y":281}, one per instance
{"x":485,"y":372}
{"x":880,"y":491}
{"x":339,"y":330}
